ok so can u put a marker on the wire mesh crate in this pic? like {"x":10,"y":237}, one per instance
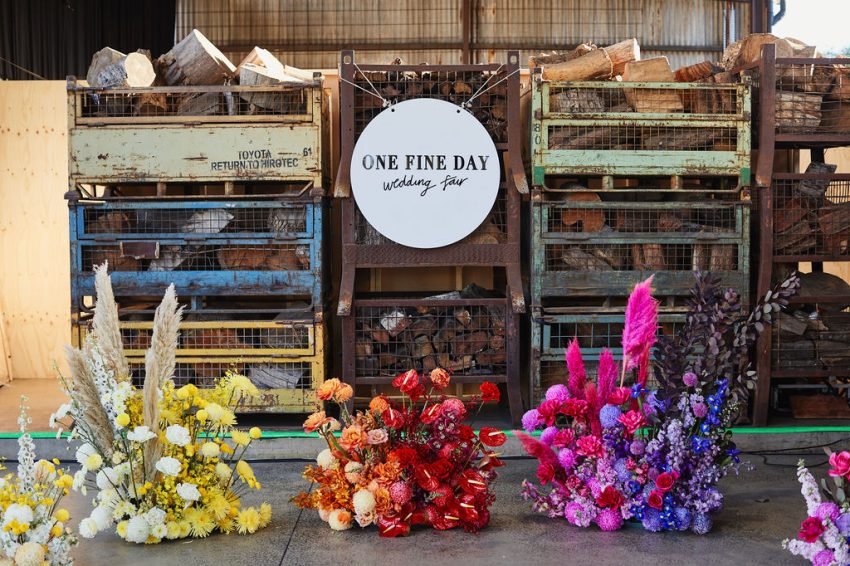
{"x":813,"y":341}
{"x":811,"y":216}
{"x":283,"y":357}
{"x":591,"y":247}
{"x":639,"y":129}
{"x":595,"y":329}
{"x":497,"y":241}
{"x":802,"y":99}
{"x":475,"y":338}
{"x":197,"y":134}
{"x":204,"y":247}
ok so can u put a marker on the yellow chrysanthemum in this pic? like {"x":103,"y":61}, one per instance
{"x":240,"y":438}
{"x":123,"y":419}
{"x":200,"y":521}
{"x":248,"y":521}
{"x":56,"y":530}
{"x":62,"y":515}
{"x":265,"y":515}
{"x":218,"y":506}
{"x":241,"y":386}
{"x":255,"y":433}
{"x":226,"y":525}
{"x":202,"y":416}
{"x":220,"y":416}
{"x":185,"y":529}
{"x":172,"y":530}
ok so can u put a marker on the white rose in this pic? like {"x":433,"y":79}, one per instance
{"x":155,"y":516}
{"x":177,"y":435}
{"x":168,"y":466}
{"x":102,"y":517}
{"x":88,"y":528}
{"x":140,"y":434}
{"x":84,"y":452}
{"x":138,"y":530}
{"x":188,"y":491}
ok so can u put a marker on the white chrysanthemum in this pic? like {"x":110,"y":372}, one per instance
{"x":159,"y":531}
{"x":88,"y":527}
{"x":363,"y":501}
{"x":140,"y":434}
{"x":210,"y":450}
{"x":29,"y":554}
{"x":155,"y":516}
{"x":60,"y":413}
{"x":352,"y":471}
{"x":339,"y":520}
{"x":123,"y":509}
{"x":324,"y":514}
{"x":15,"y":512}
{"x":138,"y":530}
{"x":168,"y":466}
{"x":188,"y":491}
{"x":177,"y":435}
{"x":83,"y":452}
{"x":108,"y":497}
{"x":223,"y":471}
{"x":102,"y":517}
{"x":326,"y":459}
{"x":93,"y":462}
{"x":107,"y":478}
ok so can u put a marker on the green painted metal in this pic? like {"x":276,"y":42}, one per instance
{"x":634,"y":161}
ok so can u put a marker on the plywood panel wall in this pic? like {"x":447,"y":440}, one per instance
{"x":34,"y":264}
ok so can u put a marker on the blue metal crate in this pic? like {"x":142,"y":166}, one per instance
{"x":227,"y":247}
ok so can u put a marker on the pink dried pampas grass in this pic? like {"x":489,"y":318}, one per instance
{"x":640,"y":328}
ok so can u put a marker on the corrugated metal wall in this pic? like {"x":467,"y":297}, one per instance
{"x":309,"y":33}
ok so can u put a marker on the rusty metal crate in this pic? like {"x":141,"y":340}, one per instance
{"x":801,"y":101}
{"x":811,"y":217}
{"x":596,"y":328}
{"x":197,"y":134}
{"x":602,"y":248}
{"x":640,"y":129}
{"x":477,"y":339}
{"x":821,"y":350}
{"x":362,"y":246}
{"x":204,"y":247}
{"x":284,"y":357}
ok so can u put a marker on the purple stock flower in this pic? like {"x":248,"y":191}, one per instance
{"x":823,"y":558}
{"x":828,"y":509}
{"x":843,"y":523}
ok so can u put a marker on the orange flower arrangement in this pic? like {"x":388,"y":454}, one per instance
{"x":399,"y":466}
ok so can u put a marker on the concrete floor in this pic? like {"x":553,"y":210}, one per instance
{"x":762,"y":508}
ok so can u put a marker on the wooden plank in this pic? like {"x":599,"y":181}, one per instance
{"x":35,"y":286}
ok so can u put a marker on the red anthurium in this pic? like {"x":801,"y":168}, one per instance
{"x":431,"y":413}
{"x":392,"y":526}
{"x":472,"y":482}
{"x":492,"y":436}
{"x":490,"y":461}
{"x":425,"y":479}
{"x":393,"y":418}
{"x":407,"y":381}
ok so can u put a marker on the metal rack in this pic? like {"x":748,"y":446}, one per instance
{"x":364,"y":248}
{"x":802,"y":103}
{"x":630,"y":180}
{"x":220,"y":191}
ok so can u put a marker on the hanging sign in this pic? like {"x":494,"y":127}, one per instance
{"x":425,"y":173}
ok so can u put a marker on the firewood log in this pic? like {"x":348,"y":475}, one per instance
{"x":243,"y":258}
{"x":262,"y":58}
{"x":679,"y":139}
{"x":463,"y":316}
{"x":254,"y":75}
{"x":621,"y":54}
{"x":816,"y":188}
{"x":444,"y":336}
{"x":583,"y":219}
{"x":835,"y":117}
{"x":462,"y":363}
{"x":112,"y":222}
{"x":133,"y":70}
{"x":496,"y":342}
{"x":469,"y":343}
{"x":378,"y":334}
{"x":490,"y":358}
{"x":651,"y":100}
{"x":195,"y":61}
{"x":722,"y":257}
{"x":117,"y":261}
{"x":422,"y":347}
{"x":648,"y":257}
{"x":576,"y":101}
{"x":576,"y":259}
{"x":696,"y":72}
{"x":818,"y":284}
{"x":100,"y":61}
{"x":395,"y":322}
{"x":423,"y":326}
{"x":596,"y":64}
{"x":212,"y":338}
{"x":283,"y":259}
{"x":200,"y":104}
{"x":798,"y":111}
{"x":554,"y":57}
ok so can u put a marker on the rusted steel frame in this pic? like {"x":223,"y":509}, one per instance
{"x":829,"y":299}
{"x":812,"y":176}
{"x":809,"y":257}
{"x":814,"y":373}
{"x":806,"y":141}
{"x":395,"y":255}
{"x":513,"y":361}
{"x":809,"y":60}
{"x":764,"y":172}
{"x":348,"y":354}
{"x":466,"y":30}
{"x":74,"y":85}
{"x":429,"y":302}
{"x":349,"y":266}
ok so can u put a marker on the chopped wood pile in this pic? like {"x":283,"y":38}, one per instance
{"x":622,"y":63}
{"x":809,"y":98}
{"x":194,"y":61}
{"x":812,"y":216}
{"x":639,"y":223}
{"x":815,"y":334}
{"x":465,"y":339}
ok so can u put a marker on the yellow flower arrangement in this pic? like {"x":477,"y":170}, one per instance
{"x":32,"y":525}
{"x":159,"y":455}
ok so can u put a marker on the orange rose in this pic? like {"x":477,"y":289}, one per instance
{"x":343,"y":393}
{"x":328,"y":389}
{"x":352,"y":437}
{"x":315,"y":421}
{"x":440,"y":378}
{"x":383,"y":503}
{"x":378,"y":405}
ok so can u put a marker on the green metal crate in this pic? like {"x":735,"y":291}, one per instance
{"x":611,"y":129}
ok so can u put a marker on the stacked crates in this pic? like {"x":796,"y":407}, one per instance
{"x":472,"y":332}
{"x":630,"y":180}
{"x":218,"y":190}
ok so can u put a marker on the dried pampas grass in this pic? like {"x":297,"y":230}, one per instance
{"x":159,"y":367}
{"x":84,"y":392}
{"x":105,"y":325}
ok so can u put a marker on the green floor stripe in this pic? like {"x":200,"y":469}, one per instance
{"x":274,"y":434}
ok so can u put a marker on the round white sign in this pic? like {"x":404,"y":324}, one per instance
{"x":425,"y":173}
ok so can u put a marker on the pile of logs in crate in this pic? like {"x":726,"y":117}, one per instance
{"x":187,"y":169}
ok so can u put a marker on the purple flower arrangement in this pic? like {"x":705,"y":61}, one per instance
{"x":610,"y":453}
